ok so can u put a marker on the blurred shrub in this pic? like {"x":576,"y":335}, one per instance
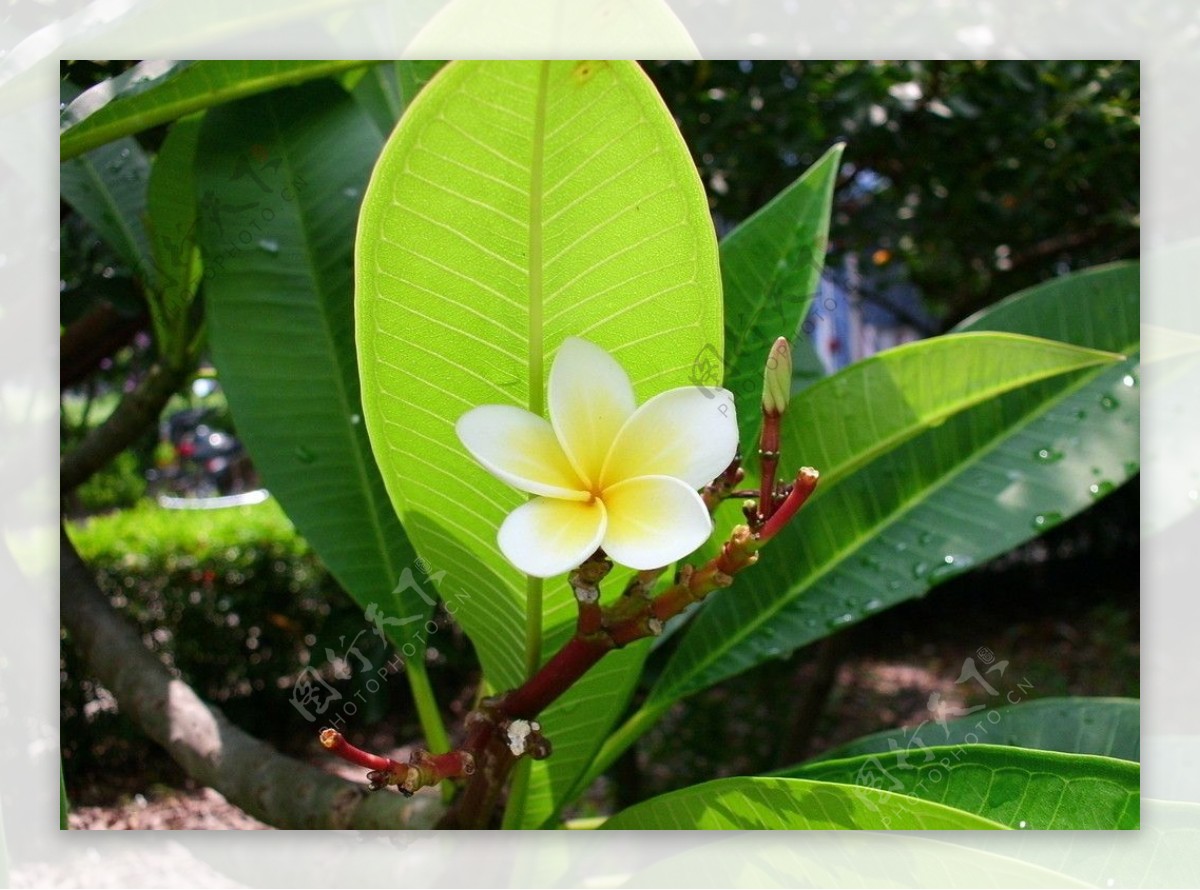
{"x":121,"y":484}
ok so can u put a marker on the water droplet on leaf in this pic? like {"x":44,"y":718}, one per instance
{"x":1048,"y":455}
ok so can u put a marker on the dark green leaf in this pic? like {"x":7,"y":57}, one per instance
{"x":171,"y":209}
{"x":1110,"y":727}
{"x":770,"y":267}
{"x":107,"y":187}
{"x":280,"y":178}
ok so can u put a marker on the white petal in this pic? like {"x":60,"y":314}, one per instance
{"x":590,"y":399}
{"x":520,"y":449}
{"x":689,"y":433}
{"x":653,"y":521}
{"x":547,"y":537}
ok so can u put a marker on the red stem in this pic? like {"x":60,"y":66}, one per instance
{"x":806,"y":481}
{"x":768,"y":451}
{"x":337,"y":744}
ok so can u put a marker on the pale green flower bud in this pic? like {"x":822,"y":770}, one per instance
{"x":777,"y":378}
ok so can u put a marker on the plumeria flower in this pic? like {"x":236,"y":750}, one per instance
{"x":605,"y":472}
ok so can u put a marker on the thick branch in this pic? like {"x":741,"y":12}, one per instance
{"x":92,"y":338}
{"x":279,"y":790}
{"x":136,"y":412}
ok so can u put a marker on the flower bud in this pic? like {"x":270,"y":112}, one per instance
{"x":777,"y":378}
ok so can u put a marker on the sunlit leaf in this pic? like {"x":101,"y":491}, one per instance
{"x":757,"y":803}
{"x":1017,"y":787}
{"x":854,"y":427}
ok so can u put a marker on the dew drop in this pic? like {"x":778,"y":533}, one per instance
{"x":1108,"y":403}
{"x":920,"y":570}
{"x":270,"y":245}
{"x":1046,"y":520}
{"x":1101,"y":488}
{"x":1048,"y":455}
{"x":350,"y":192}
{"x":355,"y":419}
{"x":1022,"y":824}
{"x":839,"y":621}
{"x":1129,"y":380}
{"x":872,"y":605}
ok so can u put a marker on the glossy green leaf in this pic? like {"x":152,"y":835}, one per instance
{"x":860,"y":418}
{"x":107,"y":187}
{"x":282,"y":174}
{"x":171,"y":221}
{"x":517,"y":204}
{"x":1017,"y":787}
{"x":768,"y":802}
{"x":1109,"y":727}
{"x":157,"y":92}
{"x":771,"y":267}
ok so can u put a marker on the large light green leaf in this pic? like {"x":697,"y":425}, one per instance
{"x":1109,"y":727}
{"x":1015,"y":786}
{"x":171,"y":221}
{"x":157,"y":92}
{"x":860,"y":418}
{"x":282,"y":175}
{"x":517,"y":204}
{"x":770,"y":267}
{"x":754,"y":803}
